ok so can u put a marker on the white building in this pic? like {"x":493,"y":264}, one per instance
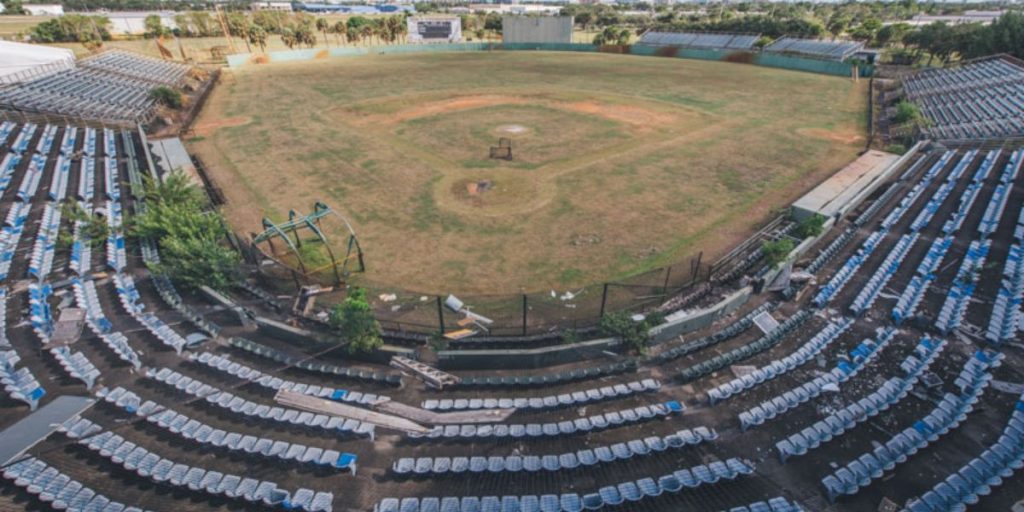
{"x":552,"y":10}
{"x":20,"y":62}
{"x":134,"y":23}
{"x":983,"y":17}
{"x":44,"y":9}
{"x":271,"y":6}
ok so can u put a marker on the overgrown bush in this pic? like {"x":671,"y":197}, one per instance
{"x":899,"y":149}
{"x":354,"y":319}
{"x":634,"y":335}
{"x":811,"y":226}
{"x":95,"y":229}
{"x":166,"y":96}
{"x":189,"y":235}
{"x":906,"y":112}
{"x":776,"y":252}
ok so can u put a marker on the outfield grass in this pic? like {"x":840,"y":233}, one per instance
{"x":626,"y":163}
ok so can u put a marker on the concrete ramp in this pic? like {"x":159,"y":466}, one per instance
{"x":35,"y":427}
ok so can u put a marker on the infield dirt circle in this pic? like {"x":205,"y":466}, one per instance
{"x":649,"y":160}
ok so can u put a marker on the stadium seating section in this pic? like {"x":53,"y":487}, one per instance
{"x":112,"y":86}
{"x":897,"y":348}
{"x":815,"y":48}
{"x":975,"y":100}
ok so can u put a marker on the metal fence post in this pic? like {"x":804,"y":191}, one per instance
{"x":604,"y":299}
{"x":440,"y":315}
{"x":668,"y":273}
{"x":524,"y":314}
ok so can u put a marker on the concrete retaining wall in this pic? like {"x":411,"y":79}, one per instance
{"x":760,"y":59}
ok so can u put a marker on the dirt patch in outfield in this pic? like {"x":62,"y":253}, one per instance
{"x":635,"y":116}
{"x":629,"y":114}
{"x":205,"y":128}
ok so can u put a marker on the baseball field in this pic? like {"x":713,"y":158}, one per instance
{"x":619,"y":163}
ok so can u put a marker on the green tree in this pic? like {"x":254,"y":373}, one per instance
{"x":94,"y":227}
{"x":811,"y":226}
{"x":634,"y":335}
{"x":238,"y":25}
{"x":323,"y":25}
{"x":190,"y":237}
{"x":288,"y":37}
{"x":777,"y":251}
{"x":258,"y":36}
{"x":166,"y":96}
{"x":13,"y":7}
{"x":154,"y":26}
{"x":340,"y":31}
{"x":354,"y":319}
{"x":906,"y":112}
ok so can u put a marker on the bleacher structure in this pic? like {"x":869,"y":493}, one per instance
{"x":885,"y":376}
{"x":976,"y":100}
{"x":114,"y":86}
{"x":699,"y":40}
{"x":815,"y":48}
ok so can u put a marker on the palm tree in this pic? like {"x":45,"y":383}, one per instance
{"x":258,"y":36}
{"x":394,"y":26}
{"x":366,"y":31}
{"x":340,"y":30}
{"x":322,"y":25}
{"x":288,"y":37}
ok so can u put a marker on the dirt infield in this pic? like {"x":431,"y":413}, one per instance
{"x":654,"y":159}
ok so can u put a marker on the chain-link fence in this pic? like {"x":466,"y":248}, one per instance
{"x":506,"y":314}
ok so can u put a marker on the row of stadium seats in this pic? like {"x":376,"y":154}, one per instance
{"x":193,"y":430}
{"x":166,"y":471}
{"x":763,"y":343}
{"x":940,"y":195}
{"x":60,"y":491}
{"x":252,"y":410}
{"x":817,"y":48}
{"x":977,"y":478}
{"x":573,"y":399}
{"x":950,"y":412}
{"x":976,"y":100}
{"x":830,"y":251}
{"x":891,"y":392}
{"x":19,"y":384}
{"x":569,"y":460}
{"x":88,"y":300}
{"x":732,"y":330}
{"x":866,"y":298}
{"x":1004,"y":321}
{"x":699,"y":40}
{"x":859,"y":357}
{"x":612,"y":495}
{"x":776,"y":368}
{"x":592,"y":423}
{"x":917,"y":191}
{"x":273,"y":354}
{"x":906,"y":305}
{"x":143,"y":68}
{"x":960,"y":292}
{"x":224,"y":365}
{"x":550,"y":379}
{"x":847,"y":271}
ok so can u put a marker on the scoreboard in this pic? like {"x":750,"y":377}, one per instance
{"x":434,"y":29}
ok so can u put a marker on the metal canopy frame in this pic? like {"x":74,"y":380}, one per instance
{"x":291,"y":230}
